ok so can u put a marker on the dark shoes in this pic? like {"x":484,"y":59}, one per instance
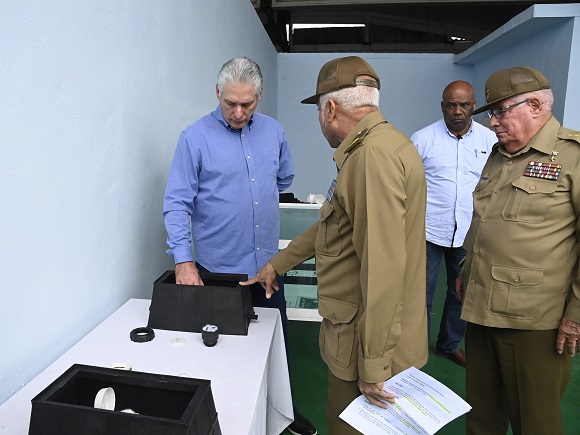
{"x":301,"y":426}
{"x":458,"y":357}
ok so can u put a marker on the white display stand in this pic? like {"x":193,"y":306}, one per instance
{"x":249,"y":374}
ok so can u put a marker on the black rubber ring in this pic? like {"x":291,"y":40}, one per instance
{"x":142,"y":334}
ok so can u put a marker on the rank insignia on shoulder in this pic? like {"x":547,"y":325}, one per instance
{"x":569,"y":134}
{"x":357,"y":141}
{"x":548,"y":171}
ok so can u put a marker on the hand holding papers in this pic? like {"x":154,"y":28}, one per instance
{"x":423,"y":406}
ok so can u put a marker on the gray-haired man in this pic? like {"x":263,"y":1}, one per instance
{"x":223,"y":191}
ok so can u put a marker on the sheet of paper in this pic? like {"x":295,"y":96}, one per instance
{"x":422,"y":406}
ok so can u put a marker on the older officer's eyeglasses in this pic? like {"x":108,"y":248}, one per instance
{"x":500,"y":111}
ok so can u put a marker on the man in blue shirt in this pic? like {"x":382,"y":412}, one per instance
{"x":454,"y":150}
{"x":223,"y":189}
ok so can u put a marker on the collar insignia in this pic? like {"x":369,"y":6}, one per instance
{"x":356,"y":141}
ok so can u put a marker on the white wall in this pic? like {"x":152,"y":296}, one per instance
{"x":411,"y":88}
{"x":94,"y":96}
{"x":571,"y":116}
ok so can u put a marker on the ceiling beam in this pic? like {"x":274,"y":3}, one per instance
{"x":306,"y":3}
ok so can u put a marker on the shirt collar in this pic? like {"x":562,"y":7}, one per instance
{"x":467,"y":133}
{"x":542,"y":141}
{"x":368,"y":122}
{"x":218,"y":115}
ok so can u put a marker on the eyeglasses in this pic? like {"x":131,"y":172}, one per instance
{"x":500,"y":111}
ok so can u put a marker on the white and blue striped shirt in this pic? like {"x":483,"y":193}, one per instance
{"x":452,"y":169}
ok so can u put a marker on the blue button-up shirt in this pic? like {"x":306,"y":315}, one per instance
{"x":223,"y":193}
{"x":452,"y":169}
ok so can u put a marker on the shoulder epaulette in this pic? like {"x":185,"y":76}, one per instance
{"x":568,"y":134}
{"x":357,"y":141}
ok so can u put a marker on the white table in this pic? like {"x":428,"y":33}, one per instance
{"x":249,"y":374}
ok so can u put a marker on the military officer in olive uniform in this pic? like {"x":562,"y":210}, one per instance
{"x":369,"y":244}
{"x":520,"y":279}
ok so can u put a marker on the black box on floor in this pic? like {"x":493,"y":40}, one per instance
{"x":162,"y":404}
{"x":221,"y":301}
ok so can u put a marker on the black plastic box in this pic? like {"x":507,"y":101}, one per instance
{"x":164,"y":404}
{"x":221,"y":301}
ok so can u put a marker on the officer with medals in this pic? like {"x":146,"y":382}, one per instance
{"x":369,"y":244}
{"x":520,"y":281}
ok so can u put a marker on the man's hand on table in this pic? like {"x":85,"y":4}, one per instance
{"x":186,"y":273}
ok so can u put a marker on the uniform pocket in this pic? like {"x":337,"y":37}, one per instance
{"x":529,"y":199}
{"x":337,"y":338}
{"x":481,"y":188}
{"x":515,"y":292}
{"x":328,"y":240}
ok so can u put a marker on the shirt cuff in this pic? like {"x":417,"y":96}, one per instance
{"x":281,"y":263}
{"x":374,"y":370}
{"x":181,"y":254}
{"x":573,"y":310}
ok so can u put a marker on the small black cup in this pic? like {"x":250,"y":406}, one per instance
{"x":210,"y":335}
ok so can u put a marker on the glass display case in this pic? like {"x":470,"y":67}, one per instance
{"x":300,"y":283}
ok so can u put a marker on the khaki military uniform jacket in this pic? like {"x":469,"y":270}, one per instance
{"x":521,"y":269}
{"x":369,"y":246}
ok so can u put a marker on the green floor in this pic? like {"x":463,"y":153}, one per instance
{"x":309,"y":376}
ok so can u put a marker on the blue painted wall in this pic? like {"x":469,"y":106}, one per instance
{"x":411,"y":88}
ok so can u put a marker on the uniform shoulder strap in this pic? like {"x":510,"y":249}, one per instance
{"x":568,"y":134}
{"x":359,"y":138}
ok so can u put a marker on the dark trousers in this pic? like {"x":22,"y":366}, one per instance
{"x":340,"y":394}
{"x":278,"y":300}
{"x":514,"y":376}
{"x":451,"y":328}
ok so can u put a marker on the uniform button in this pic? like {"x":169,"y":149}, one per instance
{"x":471,"y":281}
{"x":257,"y":226}
{"x":252,"y":180}
{"x":496,"y":191}
{"x":483,"y":220}
{"x":243,"y":135}
{"x":476,"y":250}
{"x":333,"y":316}
{"x":248,"y":157}
{"x":517,"y":279}
{"x":256,"y":203}
{"x":257,"y":249}
{"x":510,"y":163}
{"x":532,"y":187}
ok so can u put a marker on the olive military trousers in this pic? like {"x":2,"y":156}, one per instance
{"x":340,"y":394}
{"x":514,"y":377}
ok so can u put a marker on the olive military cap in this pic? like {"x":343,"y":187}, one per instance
{"x":509,"y":82}
{"x":343,"y":73}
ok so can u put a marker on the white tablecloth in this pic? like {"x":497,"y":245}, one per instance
{"x":249,"y":374}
